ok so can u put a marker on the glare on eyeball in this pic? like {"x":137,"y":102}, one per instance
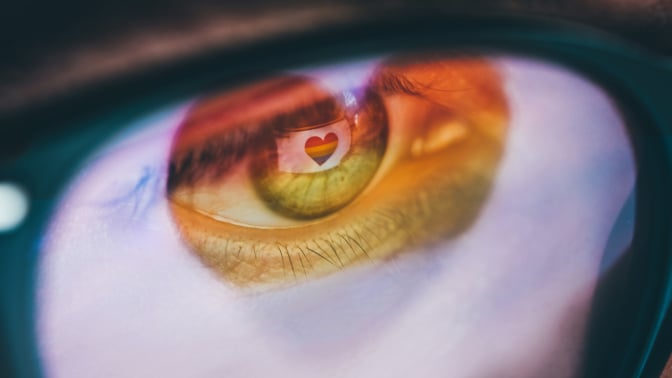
{"x":13,"y":206}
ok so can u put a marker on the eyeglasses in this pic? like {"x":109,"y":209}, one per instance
{"x":342,"y":80}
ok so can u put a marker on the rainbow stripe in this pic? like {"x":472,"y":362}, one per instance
{"x":320,"y":149}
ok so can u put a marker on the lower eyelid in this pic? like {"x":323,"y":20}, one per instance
{"x":447,"y":191}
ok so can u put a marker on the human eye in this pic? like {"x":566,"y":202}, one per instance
{"x":303,"y":176}
{"x":409,"y":213}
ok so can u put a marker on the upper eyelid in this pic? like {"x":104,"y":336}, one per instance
{"x":256,"y":110}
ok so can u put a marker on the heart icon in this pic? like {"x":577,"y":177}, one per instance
{"x":320,"y":149}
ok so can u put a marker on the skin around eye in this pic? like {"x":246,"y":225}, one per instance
{"x":433,"y":131}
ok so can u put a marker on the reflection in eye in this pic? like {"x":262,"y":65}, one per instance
{"x":494,"y":208}
{"x":333,"y":190}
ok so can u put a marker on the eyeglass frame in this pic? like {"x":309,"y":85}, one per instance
{"x":57,"y":135}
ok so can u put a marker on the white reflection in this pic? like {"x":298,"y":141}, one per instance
{"x":120,"y":296}
{"x":13,"y":206}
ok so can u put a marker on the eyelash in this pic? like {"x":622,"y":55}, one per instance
{"x":214,"y":157}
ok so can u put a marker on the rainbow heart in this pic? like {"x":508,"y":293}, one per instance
{"x":320,"y":149}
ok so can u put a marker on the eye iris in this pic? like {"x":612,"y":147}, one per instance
{"x":307,"y":171}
